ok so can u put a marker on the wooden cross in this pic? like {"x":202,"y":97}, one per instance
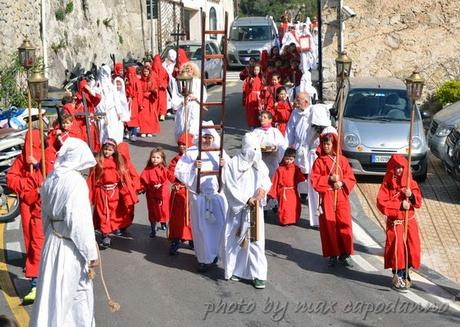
{"x":177,"y":35}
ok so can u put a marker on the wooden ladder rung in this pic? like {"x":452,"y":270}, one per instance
{"x":215,"y":32}
{"x":213,"y":104}
{"x":209,"y":172}
{"x":218,"y":126}
{"x":213,"y":81}
{"x":214,"y":56}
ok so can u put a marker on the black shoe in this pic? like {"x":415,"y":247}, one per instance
{"x":106,"y":242}
{"x":332,"y":261}
{"x":174,"y":247}
{"x":163,"y":226}
{"x":153,"y":233}
{"x":214,"y":262}
{"x":191,"y":245}
{"x":202,"y":268}
{"x":345,"y":260}
{"x":117,"y":232}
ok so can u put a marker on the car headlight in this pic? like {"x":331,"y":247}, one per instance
{"x":416,"y":142}
{"x":351,"y":140}
{"x":231,"y":48}
{"x":443,"y":131}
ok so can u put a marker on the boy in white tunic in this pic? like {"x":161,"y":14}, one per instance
{"x":65,"y":292}
{"x":209,"y":207}
{"x":246,"y":182}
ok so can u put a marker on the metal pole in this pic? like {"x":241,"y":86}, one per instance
{"x":320,"y":52}
{"x":42,"y":138}
{"x":340,"y":45}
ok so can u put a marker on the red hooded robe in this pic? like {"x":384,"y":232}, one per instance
{"x":252,"y":86}
{"x":134,"y":95}
{"x":335,"y":226}
{"x":157,"y":198}
{"x":148,"y":110}
{"x":389,"y":201}
{"x":163,"y":78}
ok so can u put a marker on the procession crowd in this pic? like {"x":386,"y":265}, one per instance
{"x":291,"y":149}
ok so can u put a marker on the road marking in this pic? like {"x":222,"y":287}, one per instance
{"x":14,"y":225}
{"x":13,"y":251}
{"x":417,"y":299}
{"x":363,"y":264}
{"x":364,"y":238}
{"x":8,"y":289}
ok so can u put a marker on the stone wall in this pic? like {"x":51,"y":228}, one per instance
{"x":389,"y":38}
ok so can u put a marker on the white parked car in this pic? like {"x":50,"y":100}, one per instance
{"x":213,"y":68}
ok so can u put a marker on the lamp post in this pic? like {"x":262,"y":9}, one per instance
{"x":27,"y":59}
{"x":38,"y":90}
{"x":343,"y":66}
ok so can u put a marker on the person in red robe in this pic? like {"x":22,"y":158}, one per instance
{"x":275,"y":53}
{"x":284,"y":189}
{"x":264,"y":58}
{"x":281,"y":109}
{"x":155,"y":182}
{"x":163,"y":80}
{"x":56,"y":138}
{"x":118,"y":70}
{"x":25,"y":182}
{"x":104,"y":183}
{"x":92,"y":100}
{"x":283,"y":27}
{"x":396,"y":200}
{"x":335,"y":223}
{"x":148,"y":108}
{"x":182,"y":58}
{"x":249,"y":69}
{"x":130,"y":186}
{"x":134,"y":95}
{"x":252,"y":86}
{"x":268,"y":93}
{"x":180,"y":228}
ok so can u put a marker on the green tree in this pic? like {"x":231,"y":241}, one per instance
{"x":13,"y":88}
{"x":276,"y":8}
{"x":449,"y":92}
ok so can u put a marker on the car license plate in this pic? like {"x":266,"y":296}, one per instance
{"x":380,"y":158}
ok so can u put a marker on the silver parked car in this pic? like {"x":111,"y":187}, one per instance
{"x":442,"y":124}
{"x":248,"y":37}
{"x":213,"y":68}
{"x":376,"y":124}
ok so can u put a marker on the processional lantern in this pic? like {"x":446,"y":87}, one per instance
{"x":26,"y":54}
{"x":184,"y":83}
{"x":38,"y":85}
{"x":343,"y":65}
{"x":414,"y":85}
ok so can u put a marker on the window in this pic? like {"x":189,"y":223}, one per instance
{"x":213,"y":22}
{"x":250,"y":33}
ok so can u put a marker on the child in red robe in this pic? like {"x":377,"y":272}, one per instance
{"x":104,"y":183}
{"x":148,"y":108}
{"x":395,"y":200}
{"x":180,"y":229}
{"x":335,"y":223}
{"x":248,"y":70}
{"x":284,"y":189}
{"x":268,"y":94}
{"x":154,"y":179}
{"x":25,"y":182}
{"x":281,"y":109}
{"x":252,"y":86}
{"x":134,"y":95}
{"x":163,"y":79}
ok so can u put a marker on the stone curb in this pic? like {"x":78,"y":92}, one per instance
{"x":378,"y":235}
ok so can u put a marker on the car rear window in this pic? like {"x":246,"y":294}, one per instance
{"x":381,"y":104}
{"x":250,"y":33}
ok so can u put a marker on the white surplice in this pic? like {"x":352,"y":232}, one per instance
{"x":209,"y":207}
{"x":271,"y":137}
{"x":189,"y":120}
{"x":64,"y":291}
{"x":242,"y":179}
{"x":296,"y":136}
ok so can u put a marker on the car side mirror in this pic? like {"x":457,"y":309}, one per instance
{"x":333,"y":111}
{"x":426,"y":115}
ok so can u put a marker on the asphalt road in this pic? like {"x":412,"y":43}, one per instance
{"x":155,"y":289}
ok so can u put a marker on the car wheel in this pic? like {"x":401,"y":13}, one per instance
{"x":420,"y":178}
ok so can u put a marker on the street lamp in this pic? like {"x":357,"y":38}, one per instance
{"x":414,"y":85}
{"x":184,"y":83}
{"x":26,"y":54}
{"x":38,"y":90}
{"x":343,"y":66}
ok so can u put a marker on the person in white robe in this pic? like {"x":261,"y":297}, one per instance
{"x":306,"y":86}
{"x":208,"y":207}
{"x":123,"y":110}
{"x":290,"y":37}
{"x":271,"y":141}
{"x":65,"y":291}
{"x":319,"y":120}
{"x":246,"y":181}
{"x":112,"y":107}
{"x":187,"y":117}
{"x":174,"y":97}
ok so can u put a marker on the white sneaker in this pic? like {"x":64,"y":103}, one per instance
{"x":133,"y":138}
{"x":149,"y":135}
{"x":143,"y":135}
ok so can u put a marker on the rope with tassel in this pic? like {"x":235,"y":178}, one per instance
{"x":114,"y":306}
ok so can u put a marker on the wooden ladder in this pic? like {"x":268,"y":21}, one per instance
{"x":205,"y":105}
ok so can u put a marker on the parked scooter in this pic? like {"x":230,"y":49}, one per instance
{"x":11,"y":144}
{"x":17,"y":118}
